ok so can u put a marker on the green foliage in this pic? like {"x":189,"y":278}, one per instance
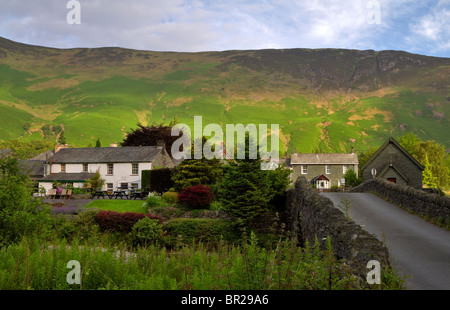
{"x":351,"y":179}
{"x":20,"y":214}
{"x":153,"y":201}
{"x":27,"y":150}
{"x":427,"y":176}
{"x":245,"y":191}
{"x":171,"y":197}
{"x":146,"y":232}
{"x":209,"y":231}
{"x":345,"y":205}
{"x":191,"y":172}
{"x":96,"y":182}
{"x":430,"y":154}
{"x":98,"y":143}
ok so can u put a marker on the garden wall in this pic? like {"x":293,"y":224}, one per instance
{"x":416,"y":201}
{"x":310,"y":215}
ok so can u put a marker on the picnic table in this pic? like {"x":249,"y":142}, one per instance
{"x":120,"y":193}
{"x":138,"y":194}
{"x":99,"y":194}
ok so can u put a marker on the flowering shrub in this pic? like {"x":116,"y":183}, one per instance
{"x":196,"y":197}
{"x":118,"y":221}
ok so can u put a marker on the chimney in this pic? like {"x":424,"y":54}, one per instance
{"x":113,"y":144}
{"x":60,"y":146}
{"x":352,"y":150}
{"x":160,"y":144}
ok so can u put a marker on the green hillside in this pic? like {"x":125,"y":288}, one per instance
{"x":323,"y":99}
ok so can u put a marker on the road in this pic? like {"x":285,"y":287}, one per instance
{"x":417,"y":249}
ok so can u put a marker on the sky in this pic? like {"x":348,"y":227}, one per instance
{"x":421,"y":27}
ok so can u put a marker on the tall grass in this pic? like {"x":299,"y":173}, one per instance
{"x":33,"y":265}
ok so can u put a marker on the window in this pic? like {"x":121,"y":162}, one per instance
{"x":304,"y":169}
{"x":109,"y":187}
{"x":123,"y":185}
{"x":134,"y":186}
{"x":344,"y":169}
{"x":327,"y":169}
{"x":85,"y":167}
{"x":110,"y":169}
{"x":134,"y":169}
{"x":63,"y":167}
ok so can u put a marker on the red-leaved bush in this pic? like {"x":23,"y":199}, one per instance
{"x":196,"y":197}
{"x":118,"y":221}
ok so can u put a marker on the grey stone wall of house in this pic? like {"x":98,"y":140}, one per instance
{"x":416,"y":201}
{"x":309,"y":215}
{"x":335,"y":176}
{"x":401,"y":161}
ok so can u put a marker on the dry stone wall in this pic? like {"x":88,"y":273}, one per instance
{"x":310,"y":215}
{"x":416,"y":201}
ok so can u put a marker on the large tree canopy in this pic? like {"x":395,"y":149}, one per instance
{"x":155,"y":134}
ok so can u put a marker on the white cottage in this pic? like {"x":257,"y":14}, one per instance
{"x":120,"y":167}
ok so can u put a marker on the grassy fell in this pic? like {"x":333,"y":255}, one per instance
{"x":361,"y":96}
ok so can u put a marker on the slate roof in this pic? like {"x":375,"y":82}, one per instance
{"x":401,"y":148}
{"x":33,"y":168}
{"x":128,"y":154}
{"x":67,"y":177}
{"x":324,"y":159}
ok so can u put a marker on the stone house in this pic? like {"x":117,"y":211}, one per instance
{"x":323,"y":170}
{"x":393,"y":163}
{"x":120,"y":167}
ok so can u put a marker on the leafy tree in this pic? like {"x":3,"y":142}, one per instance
{"x":351,"y":179}
{"x":151,"y":135}
{"x":246,"y":191}
{"x":27,"y":150}
{"x":193,"y":171}
{"x":62,"y":138}
{"x":434,"y":153}
{"x":96,"y":182}
{"x":98,"y":143}
{"x":20,"y":214}
{"x":427,"y":176}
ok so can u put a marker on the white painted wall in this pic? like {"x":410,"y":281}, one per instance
{"x":122,"y":173}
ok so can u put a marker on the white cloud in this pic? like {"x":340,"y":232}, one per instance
{"x":199,"y":25}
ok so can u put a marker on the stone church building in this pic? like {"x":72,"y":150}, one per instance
{"x":393,"y":163}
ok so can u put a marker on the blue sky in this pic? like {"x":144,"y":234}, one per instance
{"x":421,"y":27}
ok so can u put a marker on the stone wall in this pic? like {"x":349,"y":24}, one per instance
{"x":416,"y":201}
{"x":310,"y":215}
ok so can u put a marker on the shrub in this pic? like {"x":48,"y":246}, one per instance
{"x":196,"y":197}
{"x":117,"y":221}
{"x":170,"y":196}
{"x":153,"y":201}
{"x":86,"y":225}
{"x":147,"y":231}
{"x":201,"y":230}
{"x":160,"y":180}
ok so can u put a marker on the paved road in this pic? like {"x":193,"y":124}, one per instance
{"x":416,"y":248}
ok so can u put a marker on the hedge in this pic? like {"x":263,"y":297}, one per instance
{"x":119,"y":221}
{"x":201,"y":230}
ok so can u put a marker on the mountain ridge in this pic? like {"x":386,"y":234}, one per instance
{"x":323,"y":99}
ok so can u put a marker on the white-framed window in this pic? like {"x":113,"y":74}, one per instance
{"x":344,"y":169}
{"x":134,"y":169}
{"x":110,"y":169}
{"x":85,"y":167}
{"x":63,"y":167}
{"x":110,"y":187}
{"x":304,"y":169}
{"x":327,"y":169}
{"x":134,"y":186}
